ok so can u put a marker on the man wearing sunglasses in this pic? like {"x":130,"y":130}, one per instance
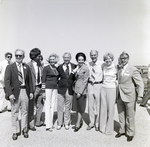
{"x":3,"y":64}
{"x":19,"y":89}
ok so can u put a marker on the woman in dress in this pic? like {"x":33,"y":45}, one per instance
{"x":49,"y":83}
{"x":108,"y":95}
{"x":80,"y":88}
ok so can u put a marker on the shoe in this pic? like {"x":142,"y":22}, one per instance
{"x":76,"y":129}
{"x":32,"y":129}
{"x":66,"y":127}
{"x":39,"y":125}
{"x":44,"y":124}
{"x":142,"y":105}
{"x":14,"y":137}
{"x":96,"y":128}
{"x":9,"y":110}
{"x":25,"y":134}
{"x":49,"y":129}
{"x":129,"y":138}
{"x":59,"y":127}
{"x":119,"y":135}
{"x":89,"y":127}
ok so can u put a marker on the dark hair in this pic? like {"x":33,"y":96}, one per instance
{"x":80,"y":54}
{"x":34,"y":53}
{"x":8,"y":53}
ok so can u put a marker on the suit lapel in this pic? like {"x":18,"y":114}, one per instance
{"x":32,"y":69}
{"x":15,"y":69}
{"x":24,"y":70}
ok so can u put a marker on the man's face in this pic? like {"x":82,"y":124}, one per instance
{"x":66,"y":58}
{"x":19,"y":56}
{"x":8,"y":57}
{"x":124,"y":59}
{"x":93,"y":56}
{"x":38,"y":58}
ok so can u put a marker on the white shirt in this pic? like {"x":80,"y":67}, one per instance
{"x":65,"y":67}
{"x":98,"y":70}
{"x":36,"y":72}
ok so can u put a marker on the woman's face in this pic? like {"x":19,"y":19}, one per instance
{"x":108,"y":61}
{"x":80,"y":61}
{"x":52,"y":60}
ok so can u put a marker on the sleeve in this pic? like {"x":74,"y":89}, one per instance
{"x":138,"y":82}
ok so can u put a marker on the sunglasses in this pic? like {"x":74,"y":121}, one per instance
{"x":9,"y":57}
{"x":18,"y":56}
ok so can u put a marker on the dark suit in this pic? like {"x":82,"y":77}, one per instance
{"x":36,"y":101}
{"x":12,"y":87}
{"x":65,"y":94}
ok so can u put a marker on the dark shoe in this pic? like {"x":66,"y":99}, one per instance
{"x":14,"y":137}
{"x":96,"y":128}
{"x":25,"y":134}
{"x":129,"y":138}
{"x":32,"y":129}
{"x":44,"y":124}
{"x":9,"y":110}
{"x":142,"y":105}
{"x":119,"y":135}
{"x":76,"y":129}
{"x":39,"y":125}
{"x":89,"y":127}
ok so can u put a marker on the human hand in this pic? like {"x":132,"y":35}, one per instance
{"x":78,"y":95}
{"x":31,"y":96}
{"x":12,"y":99}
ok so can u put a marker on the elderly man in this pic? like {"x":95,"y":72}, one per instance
{"x":94,"y":88}
{"x":65,"y":91}
{"x":18,"y":88}
{"x":129,"y":82}
{"x":36,"y":104}
{"x":3,"y":64}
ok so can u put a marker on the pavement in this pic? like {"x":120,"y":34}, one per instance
{"x":82,"y":138}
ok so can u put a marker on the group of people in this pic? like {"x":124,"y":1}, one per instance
{"x":30,"y":87}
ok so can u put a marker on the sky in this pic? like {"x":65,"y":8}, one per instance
{"x":59,"y":26}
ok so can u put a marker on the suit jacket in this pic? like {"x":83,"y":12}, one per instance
{"x":82,"y":77}
{"x":65,"y":83}
{"x":130,"y":83}
{"x":33,"y":73}
{"x":12,"y":85}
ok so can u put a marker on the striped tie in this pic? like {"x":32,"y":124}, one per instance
{"x":20,"y":77}
{"x":93,"y":73}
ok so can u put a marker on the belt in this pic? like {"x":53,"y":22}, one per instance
{"x":23,"y":87}
{"x":96,"y":82}
{"x":39,"y":85}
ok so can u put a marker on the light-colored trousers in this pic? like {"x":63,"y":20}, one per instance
{"x":64,"y":105}
{"x":51,"y":95}
{"x":126,"y":112}
{"x":94,"y":103}
{"x":107,"y":108}
{"x":20,"y":105}
{"x":3,"y":102}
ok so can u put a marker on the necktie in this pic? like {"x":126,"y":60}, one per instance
{"x":93,"y":73}
{"x":38,"y":75}
{"x":20,"y":77}
{"x":67,"y":71}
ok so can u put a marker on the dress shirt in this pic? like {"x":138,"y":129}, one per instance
{"x":36,"y":72}
{"x":98,"y":70}
{"x":23,"y":84}
{"x":124,"y":69}
{"x":65,"y":67}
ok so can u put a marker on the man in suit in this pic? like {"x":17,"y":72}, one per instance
{"x":18,"y":88}
{"x":65,"y":91}
{"x":3,"y":64}
{"x":36,"y":104}
{"x":129,"y":82}
{"x":94,"y":89}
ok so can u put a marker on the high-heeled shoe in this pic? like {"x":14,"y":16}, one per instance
{"x":78,"y":128}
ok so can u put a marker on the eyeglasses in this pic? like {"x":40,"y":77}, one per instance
{"x":9,"y":57}
{"x":18,"y":56}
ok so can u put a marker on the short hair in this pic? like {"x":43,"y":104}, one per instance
{"x":124,"y":53}
{"x":8,"y":53}
{"x":53,"y":55}
{"x":21,"y":51}
{"x":80,"y":54}
{"x":110,"y":55}
{"x":34,"y":53}
{"x":94,"y":51}
{"x":67,"y":53}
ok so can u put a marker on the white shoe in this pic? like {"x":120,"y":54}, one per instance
{"x":66,"y":127}
{"x":58,"y":127}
